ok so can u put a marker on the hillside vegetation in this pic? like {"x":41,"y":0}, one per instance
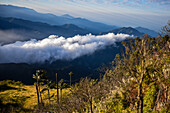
{"x":138,"y":81}
{"x":17,"y":97}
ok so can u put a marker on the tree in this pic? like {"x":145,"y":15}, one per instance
{"x":165,"y":29}
{"x":57,"y":88}
{"x":161,"y":68}
{"x":49,"y":86}
{"x":39,"y":76}
{"x":139,"y":67}
{"x":37,"y":88}
{"x":85,"y":92}
{"x":71,"y":74}
{"x":134,"y":65}
{"x":61,"y":82}
{"x":61,"y":85}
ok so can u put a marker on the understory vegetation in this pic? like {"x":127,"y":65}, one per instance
{"x":137,"y":82}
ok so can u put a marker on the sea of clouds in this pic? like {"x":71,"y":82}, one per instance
{"x":56,"y":48}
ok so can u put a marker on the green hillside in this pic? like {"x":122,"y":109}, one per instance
{"x":138,"y":81}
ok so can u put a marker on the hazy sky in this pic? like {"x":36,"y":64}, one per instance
{"x":152,"y":14}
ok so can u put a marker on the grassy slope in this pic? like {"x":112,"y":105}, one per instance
{"x":23,"y":96}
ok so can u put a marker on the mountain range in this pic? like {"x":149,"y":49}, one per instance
{"x":21,"y":24}
{"x":21,"y":30}
{"x":32,"y":15}
{"x":125,"y":30}
{"x":14,"y":29}
{"x":148,"y":31}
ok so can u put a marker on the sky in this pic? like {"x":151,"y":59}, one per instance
{"x":152,"y":14}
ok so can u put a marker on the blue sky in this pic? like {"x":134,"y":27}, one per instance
{"x":151,"y":14}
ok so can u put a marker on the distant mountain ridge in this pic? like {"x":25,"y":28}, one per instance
{"x":37,"y":30}
{"x":148,"y":31}
{"x":125,"y":30}
{"x":67,"y":16}
{"x":32,"y":15}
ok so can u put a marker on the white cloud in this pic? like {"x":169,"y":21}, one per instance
{"x":127,"y":2}
{"x":56,"y":48}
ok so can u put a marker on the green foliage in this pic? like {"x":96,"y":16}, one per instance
{"x":124,"y":100}
{"x":150,"y":98}
{"x":40,"y":75}
{"x":71,"y":74}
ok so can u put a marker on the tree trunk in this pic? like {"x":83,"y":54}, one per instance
{"x":138,"y":102}
{"x":141,"y":104}
{"x":91,"y":105}
{"x":140,"y":93}
{"x":61,"y":95}
{"x":40,"y":95}
{"x":140,"y":97}
{"x":70,"y":80}
{"x":157,"y":99}
{"x":49,"y":95}
{"x":38,"y":100}
{"x":57,"y":89}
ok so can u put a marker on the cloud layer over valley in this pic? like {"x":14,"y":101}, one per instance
{"x":56,"y":48}
{"x":8,"y":36}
